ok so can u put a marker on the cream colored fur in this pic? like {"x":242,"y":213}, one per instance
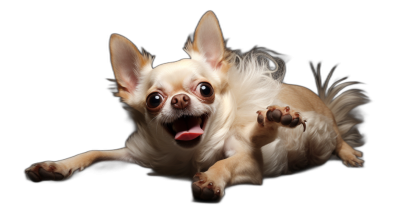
{"x":234,"y":147}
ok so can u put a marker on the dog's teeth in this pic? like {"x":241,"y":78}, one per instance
{"x":199,"y":120}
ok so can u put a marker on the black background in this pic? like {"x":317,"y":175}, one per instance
{"x":60,"y":64}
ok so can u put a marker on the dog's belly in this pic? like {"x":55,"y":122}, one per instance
{"x":294,"y":149}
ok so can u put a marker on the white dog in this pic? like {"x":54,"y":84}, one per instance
{"x":222,"y":116}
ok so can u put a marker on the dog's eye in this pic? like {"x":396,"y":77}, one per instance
{"x":205,"y":89}
{"x":154,"y":100}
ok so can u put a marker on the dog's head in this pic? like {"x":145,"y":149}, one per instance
{"x":184,"y":96}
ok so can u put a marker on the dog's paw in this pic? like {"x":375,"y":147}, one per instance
{"x":46,"y":171}
{"x":203,"y":188}
{"x":282,"y":115}
{"x":350,"y":158}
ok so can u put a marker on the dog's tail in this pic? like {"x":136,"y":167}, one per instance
{"x":342,"y":105}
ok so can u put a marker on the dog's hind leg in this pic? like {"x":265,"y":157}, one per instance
{"x":62,"y":169}
{"x":349,"y":155}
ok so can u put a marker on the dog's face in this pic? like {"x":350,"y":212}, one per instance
{"x":182,"y":96}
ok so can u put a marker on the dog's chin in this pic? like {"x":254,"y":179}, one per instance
{"x":171,"y":128}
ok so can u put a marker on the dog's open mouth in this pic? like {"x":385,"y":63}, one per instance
{"x":187,"y":128}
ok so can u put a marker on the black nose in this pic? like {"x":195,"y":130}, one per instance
{"x":180,"y":101}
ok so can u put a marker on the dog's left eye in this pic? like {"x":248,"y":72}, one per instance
{"x":154,"y":100}
{"x":205,"y":89}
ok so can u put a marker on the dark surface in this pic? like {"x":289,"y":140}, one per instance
{"x":60,"y":62}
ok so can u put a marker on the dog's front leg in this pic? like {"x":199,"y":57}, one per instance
{"x":62,"y":169}
{"x":243,"y":165}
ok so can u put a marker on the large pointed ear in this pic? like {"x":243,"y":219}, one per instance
{"x":208,"y":40}
{"x":128,"y":64}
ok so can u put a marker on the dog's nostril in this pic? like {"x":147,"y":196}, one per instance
{"x":180,"y":101}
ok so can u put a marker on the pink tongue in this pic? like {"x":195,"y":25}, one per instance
{"x":187,"y":129}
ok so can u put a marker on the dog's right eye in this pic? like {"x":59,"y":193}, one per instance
{"x":154,"y":100}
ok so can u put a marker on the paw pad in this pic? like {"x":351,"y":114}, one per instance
{"x":282,"y":115}
{"x":203,"y":189}
{"x":43,"y":171}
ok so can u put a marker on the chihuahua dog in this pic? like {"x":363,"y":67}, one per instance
{"x":222,"y":116}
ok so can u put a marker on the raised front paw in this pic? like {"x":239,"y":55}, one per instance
{"x":282,"y":115}
{"x":203,"y":188}
{"x":46,"y":171}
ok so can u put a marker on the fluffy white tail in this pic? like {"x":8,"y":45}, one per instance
{"x":342,"y":105}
